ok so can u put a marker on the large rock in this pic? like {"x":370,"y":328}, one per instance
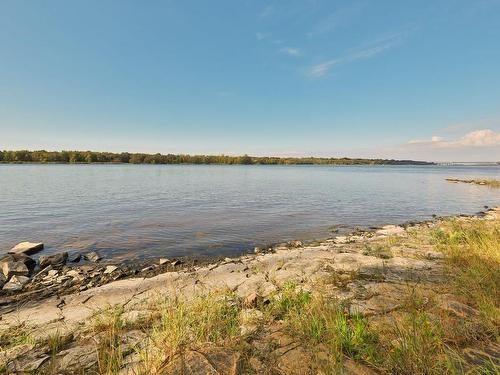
{"x":26,"y":248}
{"x":16,"y":264}
{"x":78,"y":358}
{"x":56,"y":260}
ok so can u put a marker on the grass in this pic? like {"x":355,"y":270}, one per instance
{"x":473,"y":255}
{"x":186,"y":325}
{"x":382,"y":251}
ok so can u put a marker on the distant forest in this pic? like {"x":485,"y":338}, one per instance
{"x":74,"y":157}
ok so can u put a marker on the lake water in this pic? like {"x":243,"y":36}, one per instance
{"x":142,"y":211}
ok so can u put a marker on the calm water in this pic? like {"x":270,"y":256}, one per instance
{"x":128,"y":211}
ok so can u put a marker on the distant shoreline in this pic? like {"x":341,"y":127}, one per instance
{"x":92,"y":157}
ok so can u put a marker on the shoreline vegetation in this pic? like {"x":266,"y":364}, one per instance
{"x":89,"y":157}
{"x":416,"y":299}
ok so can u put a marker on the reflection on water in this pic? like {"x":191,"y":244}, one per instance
{"x":150,"y":211}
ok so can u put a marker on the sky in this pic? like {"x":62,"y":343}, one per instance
{"x":393,"y":79}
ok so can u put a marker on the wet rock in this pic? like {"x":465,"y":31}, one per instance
{"x":26,"y":248}
{"x":78,"y":358}
{"x":93,"y":257}
{"x":74,"y":258}
{"x":56,"y":260}
{"x":176,"y":263}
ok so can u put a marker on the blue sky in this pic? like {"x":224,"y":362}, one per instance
{"x":402,"y":79}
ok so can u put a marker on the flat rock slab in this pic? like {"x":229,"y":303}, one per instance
{"x":26,"y":248}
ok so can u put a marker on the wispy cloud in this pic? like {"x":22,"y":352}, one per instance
{"x":290,"y":51}
{"x":266,"y":12}
{"x":476,"y":138}
{"x":367,"y":52}
{"x":336,"y":19}
{"x":262,"y":36}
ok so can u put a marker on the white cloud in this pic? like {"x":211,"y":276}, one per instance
{"x":372,"y":50}
{"x":291,"y":51}
{"x":476,"y":138}
{"x":266,"y":12}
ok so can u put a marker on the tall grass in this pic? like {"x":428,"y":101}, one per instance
{"x":473,"y":253}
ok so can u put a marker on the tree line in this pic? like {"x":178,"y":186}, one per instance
{"x":74,"y":157}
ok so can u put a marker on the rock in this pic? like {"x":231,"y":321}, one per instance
{"x":295,"y":361}
{"x":295,"y":243}
{"x":249,"y":321}
{"x":12,"y":287}
{"x":23,"y":280}
{"x":353,"y":368}
{"x":93,"y":257}
{"x":10,"y":355}
{"x":457,"y":308}
{"x":78,"y":358}
{"x":164,"y":261}
{"x":176,"y":262}
{"x":110,"y":269}
{"x":252,"y":300}
{"x":210,"y":361}
{"x":26,"y":248}
{"x":391,"y":230}
{"x":432,"y":255}
{"x":75,"y":257}
{"x":257,"y":250}
{"x":52,"y":273}
{"x":42,"y":273}
{"x":10,"y":268}
{"x":56,"y":260}
{"x":3,"y":280}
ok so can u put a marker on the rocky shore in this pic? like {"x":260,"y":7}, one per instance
{"x":370,"y":271}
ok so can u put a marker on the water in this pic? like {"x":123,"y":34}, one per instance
{"x":142,"y":211}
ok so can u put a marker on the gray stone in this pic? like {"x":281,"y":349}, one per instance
{"x":16,"y":264}
{"x":78,"y":358}
{"x":56,"y":260}
{"x":26,"y":248}
{"x":93,"y":257}
{"x":75,"y":257}
{"x":12,"y":287}
{"x":10,"y":268}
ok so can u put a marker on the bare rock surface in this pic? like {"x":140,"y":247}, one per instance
{"x":26,"y":248}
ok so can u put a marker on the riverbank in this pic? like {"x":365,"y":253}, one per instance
{"x":416,"y":299}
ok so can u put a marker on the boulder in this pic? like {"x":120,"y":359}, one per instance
{"x":56,"y":260}
{"x":93,"y":257}
{"x":26,"y":248}
{"x":12,"y":287}
{"x":11,"y":267}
